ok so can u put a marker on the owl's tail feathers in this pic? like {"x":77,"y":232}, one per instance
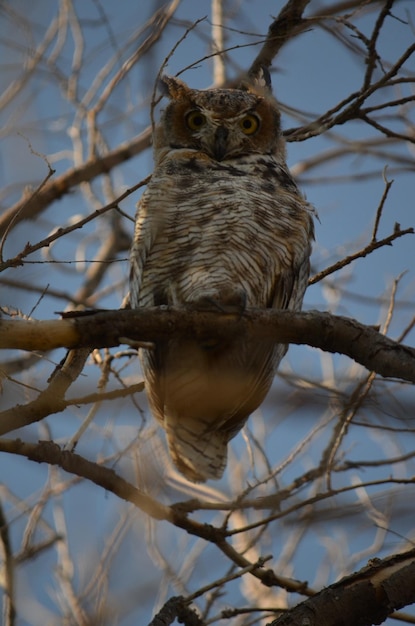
{"x":198,"y":455}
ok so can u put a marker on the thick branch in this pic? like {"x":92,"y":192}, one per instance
{"x":176,"y":608}
{"x":285,"y":26}
{"x":366,"y":597}
{"x":50,"y":400}
{"x":329,"y":332}
{"x":49,"y":452}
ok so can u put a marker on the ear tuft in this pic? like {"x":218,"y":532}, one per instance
{"x":258,"y":81}
{"x":173,"y":87}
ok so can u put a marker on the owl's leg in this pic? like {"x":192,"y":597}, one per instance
{"x":227,"y":300}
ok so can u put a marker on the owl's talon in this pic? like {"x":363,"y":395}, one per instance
{"x":230,"y":302}
{"x":133,"y":343}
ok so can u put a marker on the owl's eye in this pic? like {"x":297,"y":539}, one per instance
{"x":195,"y":120}
{"x":249,"y":124}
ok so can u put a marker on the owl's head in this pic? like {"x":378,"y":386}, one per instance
{"x":221,"y":123}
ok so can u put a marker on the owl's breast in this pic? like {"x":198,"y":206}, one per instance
{"x":221,"y":224}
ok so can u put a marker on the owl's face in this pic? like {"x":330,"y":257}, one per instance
{"x":221,"y":123}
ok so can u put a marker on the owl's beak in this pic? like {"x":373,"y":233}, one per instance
{"x":220,"y":145}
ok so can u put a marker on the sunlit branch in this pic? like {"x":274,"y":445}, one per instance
{"x":328,"y":332}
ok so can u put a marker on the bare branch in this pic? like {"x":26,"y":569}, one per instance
{"x":285,"y":26}
{"x":51,"y":453}
{"x":328,"y":332}
{"x":8,"y":572}
{"x":219,"y":67}
{"x":388,"y":185}
{"x":373,"y":245}
{"x":52,"y":399}
{"x":60,"y":232}
{"x":17,"y":216}
{"x":367,"y":597}
{"x":176,"y":607}
{"x":29,"y":209}
{"x":350,"y":108}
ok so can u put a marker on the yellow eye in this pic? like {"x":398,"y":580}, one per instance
{"x":195,"y":120}
{"x":249,"y":124}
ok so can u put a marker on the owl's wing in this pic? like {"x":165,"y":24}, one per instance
{"x":146,"y":226}
{"x":291,"y":282}
{"x":293,"y":242}
{"x":144,"y":235}
{"x":282,"y":290}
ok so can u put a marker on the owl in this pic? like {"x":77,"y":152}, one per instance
{"x":221,"y":226}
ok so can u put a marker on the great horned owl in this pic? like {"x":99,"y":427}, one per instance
{"x":221,"y":224}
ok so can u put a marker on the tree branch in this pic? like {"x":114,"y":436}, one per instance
{"x":328,"y":332}
{"x":368,"y":596}
{"x":50,"y":400}
{"x":49,"y":452}
{"x":28,"y":209}
{"x":62,"y":231}
{"x":174,"y":608}
{"x":371,"y":247}
{"x":285,"y":26}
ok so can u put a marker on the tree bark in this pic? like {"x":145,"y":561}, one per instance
{"x":364,"y":598}
{"x":332,"y":333}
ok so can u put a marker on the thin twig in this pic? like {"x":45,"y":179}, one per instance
{"x":221,"y":581}
{"x":373,"y":245}
{"x":16,"y":216}
{"x":388,"y":185}
{"x":30,"y":208}
{"x":60,"y":232}
{"x":154,"y":99}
